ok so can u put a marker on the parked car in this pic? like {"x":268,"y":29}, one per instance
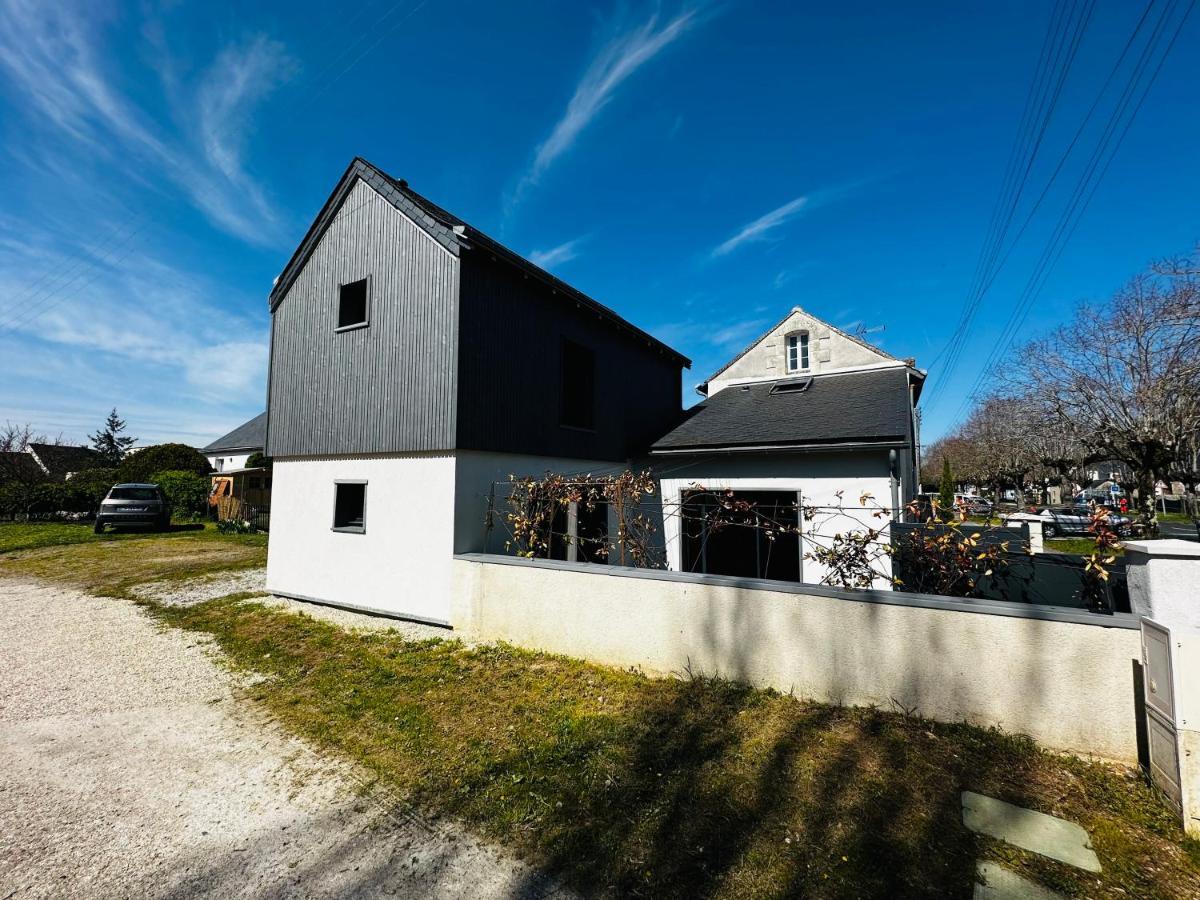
{"x":978,"y":506}
{"x":134,"y":504}
{"x":1058,"y":520}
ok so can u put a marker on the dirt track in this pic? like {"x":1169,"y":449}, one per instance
{"x":129,"y":768}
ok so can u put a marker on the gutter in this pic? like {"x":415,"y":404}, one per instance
{"x":774,"y":448}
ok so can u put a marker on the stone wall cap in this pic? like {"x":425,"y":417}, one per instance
{"x":1169,"y":547}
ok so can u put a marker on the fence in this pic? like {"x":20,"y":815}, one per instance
{"x":1065,"y":677}
{"x":1050,"y":579}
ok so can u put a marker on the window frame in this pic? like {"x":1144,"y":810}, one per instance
{"x":349,"y":529}
{"x":803,"y":345}
{"x":353,"y":326}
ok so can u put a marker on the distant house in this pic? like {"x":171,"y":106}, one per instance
{"x":415,"y":362}
{"x":230,"y":454}
{"x":805,"y":413}
{"x":233,"y":450}
{"x":60,"y":462}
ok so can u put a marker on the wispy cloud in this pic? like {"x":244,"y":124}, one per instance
{"x":52,"y":54}
{"x":623,"y":55}
{"x":127,"y":329}
{"x":556,"y":256}
{"x":760,"y":228}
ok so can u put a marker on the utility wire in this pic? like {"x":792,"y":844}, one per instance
{"x":1086,"y":188}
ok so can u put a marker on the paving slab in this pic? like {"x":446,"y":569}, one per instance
{"x":1000,"y":883}
{"x":1029,"y":830}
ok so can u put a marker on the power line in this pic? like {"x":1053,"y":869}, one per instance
{"x":1085,"y":189}
{"x":1064,"y":36}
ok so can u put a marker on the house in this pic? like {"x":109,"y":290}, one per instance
{"x":233,"y":450}
{"x":415,"y":363}
{"x":60,"y":462}
{"x":807,"y":416}
{"x":230,"y":455}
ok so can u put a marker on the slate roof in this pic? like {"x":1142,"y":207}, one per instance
{"x":448,"y":230}
{"x":62,"y":459}
{"x":17,"y":465}
{"x":250,"y":435}
{"x":868,"y":407}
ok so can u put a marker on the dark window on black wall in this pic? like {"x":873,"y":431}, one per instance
{"x":578,"y":393}
{"x":352,"y":304}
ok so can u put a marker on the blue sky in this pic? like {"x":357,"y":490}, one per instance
{"x":699,"y":168}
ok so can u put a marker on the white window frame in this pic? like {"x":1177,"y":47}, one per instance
{"x":797,"y":352}
{"x":337,"y":309}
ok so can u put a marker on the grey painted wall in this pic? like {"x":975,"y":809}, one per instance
{"x":385,"y":388}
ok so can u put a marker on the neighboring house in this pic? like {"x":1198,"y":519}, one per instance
{"x":805,"y":413}
{"x":19,"y":466}
{"x":60,"y":462}
{"x":415,"y":362}
{"x":233,"y":450}
{"x":229,"y":455}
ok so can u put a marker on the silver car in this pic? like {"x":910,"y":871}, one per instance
{"x":1076,"y":520}
{"x":134,"y":504}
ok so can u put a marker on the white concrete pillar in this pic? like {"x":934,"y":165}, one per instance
{"x":1164,"y":588}
{"x":1033,"y":536}
{"x":1164,"y":581}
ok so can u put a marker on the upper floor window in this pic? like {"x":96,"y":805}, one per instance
{"x":578,"y":394}
{"x":353,"y":304}
{"x":797,"y":352}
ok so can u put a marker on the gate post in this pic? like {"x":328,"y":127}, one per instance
{"x":1164,"y":589}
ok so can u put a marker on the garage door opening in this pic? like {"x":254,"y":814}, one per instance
{"x":758,"y":538}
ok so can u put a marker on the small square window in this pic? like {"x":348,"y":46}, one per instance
{"x":352,"y":304}
{"x":350,"y":506}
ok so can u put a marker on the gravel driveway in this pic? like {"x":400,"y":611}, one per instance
{"x":128,"y":768}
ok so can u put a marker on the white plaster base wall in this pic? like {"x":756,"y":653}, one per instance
{"x":813,"y":491}
{"x":401,"y":565}
{"x":1068,"y":685}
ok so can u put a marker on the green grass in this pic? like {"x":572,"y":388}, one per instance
{"x":111,"y":563}
{"x":1083,"y":546}
{"x":632,"y":786}
{"x":1175,"y":517}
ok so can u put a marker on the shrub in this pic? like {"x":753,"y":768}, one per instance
{"x":187,"y":492}
{"x":141,"y":466}
{"x":89,"y":487}
{"x":258,"y":461}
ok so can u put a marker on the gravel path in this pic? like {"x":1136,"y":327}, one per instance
{"x":129,"y":768}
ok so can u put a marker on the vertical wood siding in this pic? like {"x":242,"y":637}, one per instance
{"x":386,"y":388}
{"x":511,"y":329}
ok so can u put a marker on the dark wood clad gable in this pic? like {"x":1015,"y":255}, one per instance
{"x":513,"y":330}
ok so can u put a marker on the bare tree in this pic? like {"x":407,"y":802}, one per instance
{"x":1122,"y":380}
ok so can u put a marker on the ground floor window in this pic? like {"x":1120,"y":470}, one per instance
{"x":757,"y":538}
{"x":579,"y":532}
{"x":350,"y":506}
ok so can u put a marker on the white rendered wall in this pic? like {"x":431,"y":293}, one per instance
{"x":401,"y":565}
{"x":224,"y":462}
{"x":817,"y":491}
{"x":1067,"y":684}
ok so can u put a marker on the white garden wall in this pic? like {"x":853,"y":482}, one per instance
{"x":400,"y":565}
{"x":1061,"y":676}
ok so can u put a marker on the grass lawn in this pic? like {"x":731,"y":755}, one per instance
{"x":112,"y":562}
{"x":631,"y":786}
{"x":1175,"y":517}
{"x":1083,"y":546}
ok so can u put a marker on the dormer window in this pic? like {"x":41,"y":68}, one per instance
{"x":797,"y":352}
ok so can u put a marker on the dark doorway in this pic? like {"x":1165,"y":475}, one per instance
{"x":758,"y":541}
